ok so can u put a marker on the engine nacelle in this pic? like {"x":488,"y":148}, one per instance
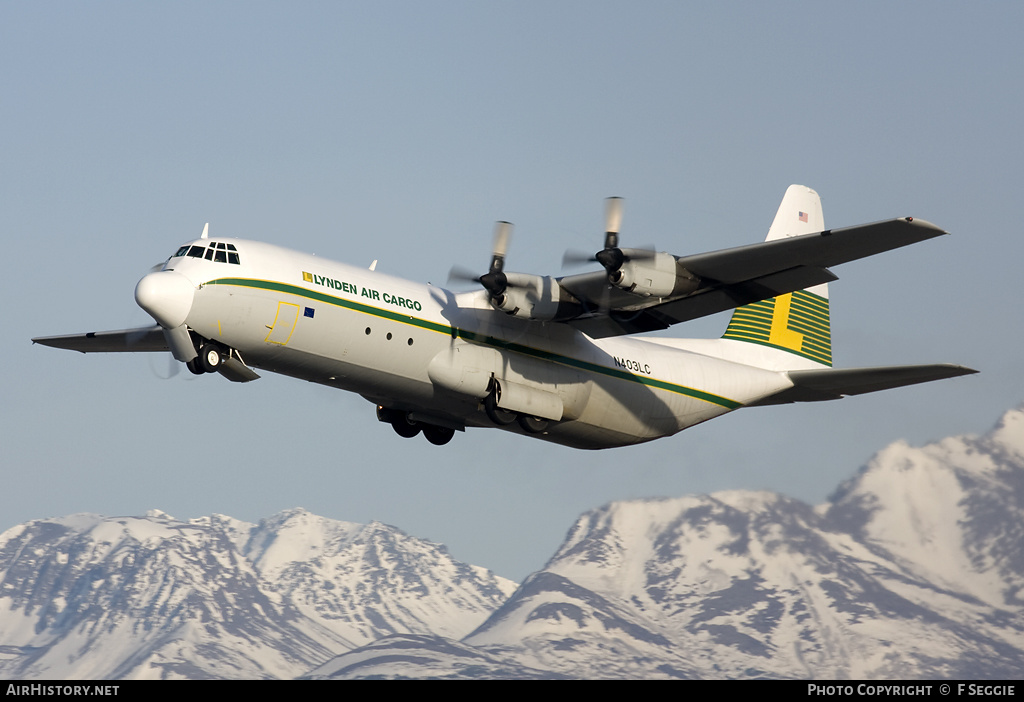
{"x":536,"y":297}
{"x":650,"y":274}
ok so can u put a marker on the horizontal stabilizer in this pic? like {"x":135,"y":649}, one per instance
{"x":831,"y":384}
{"x":141,"y":339}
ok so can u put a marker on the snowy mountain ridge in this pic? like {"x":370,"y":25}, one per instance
{"x":86,"y":596}
{"x":914,"y":568}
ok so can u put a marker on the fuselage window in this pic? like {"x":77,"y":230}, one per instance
{"x":232,"y":257}
{"x":196,"y":251}
{"x":209,"y":254}
{"x":181,"y":252}
{"x":220,"y":256}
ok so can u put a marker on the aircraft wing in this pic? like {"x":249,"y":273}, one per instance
{"x":140,"y":339}
{"x":831,"y":384}
{"x":739,"y":276}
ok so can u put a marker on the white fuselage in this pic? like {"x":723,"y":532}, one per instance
{"x":427,"y":351}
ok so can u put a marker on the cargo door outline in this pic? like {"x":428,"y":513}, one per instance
{"x":284,"y":323}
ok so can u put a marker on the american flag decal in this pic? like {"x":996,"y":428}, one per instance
{"x":802,"y":216}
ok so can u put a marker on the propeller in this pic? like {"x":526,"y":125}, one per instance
{"x":612,"y":224}
{"x":494,"y":280}
{"x":171,"y":366}
{"x":162,"y":365}
{"x":611,"y":257}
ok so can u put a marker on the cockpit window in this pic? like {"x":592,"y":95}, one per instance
{"x":218,"y":252}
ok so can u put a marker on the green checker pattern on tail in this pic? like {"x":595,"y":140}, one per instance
{"x":798,"y":323}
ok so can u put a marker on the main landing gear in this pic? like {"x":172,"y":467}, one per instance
{"x":405,"y":427}
{"x":503,"y":417}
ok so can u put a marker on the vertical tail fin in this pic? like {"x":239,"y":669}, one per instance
{"x":798,"y":322}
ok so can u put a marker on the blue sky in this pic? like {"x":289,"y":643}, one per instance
{"x":400,"y":131}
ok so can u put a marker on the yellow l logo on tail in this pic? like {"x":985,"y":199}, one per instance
{"x":780,"y":333}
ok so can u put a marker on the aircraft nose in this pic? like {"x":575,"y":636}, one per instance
{"x":166,"y":296}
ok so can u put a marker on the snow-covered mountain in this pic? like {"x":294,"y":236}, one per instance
{"x":914,"y":568}
{"x":142,"y":597}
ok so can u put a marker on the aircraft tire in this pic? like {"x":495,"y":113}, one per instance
{"x":403,"y":427}
{"x":501,"y":417}
{"x":438,"y":436}
{"x":194,"y":367}
{"x":534,"y":425}
{"x":210,"y":357}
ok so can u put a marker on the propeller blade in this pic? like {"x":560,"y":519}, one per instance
{"x":494,"y":280}
{"x":459,"y":274}
{"x":574,"y":257}
{"x":606,"y":300}
{"x":612,"y":221}
{"x":502,"y":232}
{"x":170,"y":369}
{"x":642,"y":253}
{"x":180,"y":343}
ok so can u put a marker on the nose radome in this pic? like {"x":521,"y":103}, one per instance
{"x":166,"y":296}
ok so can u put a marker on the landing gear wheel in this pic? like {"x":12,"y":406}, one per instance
{"x":211,"y":356}
{"x":194,"y":367}
{"x":501,"y":417}
{"x":438,"y":436}
{"x":403,"y":427}
{"x":534,"y":425}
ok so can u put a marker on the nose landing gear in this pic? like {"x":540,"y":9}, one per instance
{"x":211,"y":357}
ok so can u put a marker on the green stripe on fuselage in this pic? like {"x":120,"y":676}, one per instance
{"x":492,"y":341}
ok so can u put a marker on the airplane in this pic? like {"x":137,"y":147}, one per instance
{"x":554,"y":358}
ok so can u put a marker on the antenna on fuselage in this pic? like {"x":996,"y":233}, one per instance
{"x":206,"y":231}
{"x":373,"y":266}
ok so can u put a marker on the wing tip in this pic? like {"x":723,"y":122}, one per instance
{"x":925,"y":224}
